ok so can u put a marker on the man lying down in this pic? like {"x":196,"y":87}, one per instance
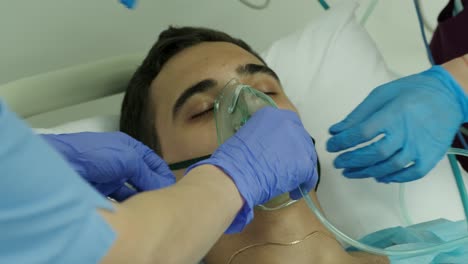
{"x":169,"y":107}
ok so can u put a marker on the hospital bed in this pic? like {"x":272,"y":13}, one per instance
{"x":74,"y":93}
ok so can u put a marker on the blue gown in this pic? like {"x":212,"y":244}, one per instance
{"x":48,"y":214}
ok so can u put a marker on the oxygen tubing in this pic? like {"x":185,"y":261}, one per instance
{"x":393,"y":252}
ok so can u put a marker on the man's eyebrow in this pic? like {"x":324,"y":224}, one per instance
{"x":256,"y":68}
{"x":199,"y":87}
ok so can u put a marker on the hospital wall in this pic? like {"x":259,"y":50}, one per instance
{"x":40,"y":36}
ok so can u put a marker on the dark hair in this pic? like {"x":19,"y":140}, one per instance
{"x":137,"y":114}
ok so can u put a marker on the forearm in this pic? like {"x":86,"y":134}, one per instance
{"x":458,"y":68}
{"x":177,"y":224}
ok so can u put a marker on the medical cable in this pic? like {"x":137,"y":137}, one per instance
{"x":407,"y":221}
{"x":324,"y":4}
{"x":427,"y":25}
{"x":369,"y":10}
{"x":462,"y":139}
{"x":417,"y":5}
{"x":460,"y":183}
{"x":265,"y":4}
{"x":463,"y":130}
{"x":256,"y":6}
{"x":458,"y":7}
{"x":287,"y":244}
{"x":457,"y":173}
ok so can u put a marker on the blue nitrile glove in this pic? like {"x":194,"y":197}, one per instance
{"x":270,"y":155}
{"x":108,"y":160}
{"x":419,"y":116}
{"x":130,"y":4}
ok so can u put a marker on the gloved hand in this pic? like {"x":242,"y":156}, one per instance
{"x":270,"y":155}
{"x":130,"y":4}
{"x":108,"y":160}
{"x":419,"y":116}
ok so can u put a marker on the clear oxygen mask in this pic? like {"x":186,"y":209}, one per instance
{"x":235,"y":104}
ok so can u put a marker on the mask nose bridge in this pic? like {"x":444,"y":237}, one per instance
{"x":235,"y":99}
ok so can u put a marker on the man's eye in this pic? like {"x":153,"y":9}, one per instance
{"x":201,"y":114}
{"x":271,"y":93}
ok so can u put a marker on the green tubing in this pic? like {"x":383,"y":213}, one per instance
{"x":370,"y":9}
{"x":457,"y":151}
{"x":458,"y":176}
{"x":324,"y":4}
{"x":392,"y":252}
{"x":403,"y":208}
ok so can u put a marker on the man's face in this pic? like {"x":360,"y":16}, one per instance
{"x":187,"y":86}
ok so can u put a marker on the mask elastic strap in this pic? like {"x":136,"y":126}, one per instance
{"x":187,"y":163}
{"x":317,"y":167}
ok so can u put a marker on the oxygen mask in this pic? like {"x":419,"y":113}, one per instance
{"x":232,"y":109}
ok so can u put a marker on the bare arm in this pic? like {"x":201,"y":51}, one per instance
{"x":177,"y":224}
{"x":459,"y":69}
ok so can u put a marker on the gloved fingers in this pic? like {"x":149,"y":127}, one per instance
{"x":271,"y":117}
{"x":146,"y":179}
{"x":370,"y":155}
{"x":414,"y":172}
{"x":356,"y":135}
{"x":375,"y":101}
{"x":156,"y":164}
{"x":392,"y":165}
{"x":106,"y":188}
{"x":291,"y":115}
{"x":305,"y":187}
{"x":296,"y":193}
{"x":123,"y":193}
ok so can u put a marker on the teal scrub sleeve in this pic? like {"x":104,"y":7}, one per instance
{"x":48,"y":214}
